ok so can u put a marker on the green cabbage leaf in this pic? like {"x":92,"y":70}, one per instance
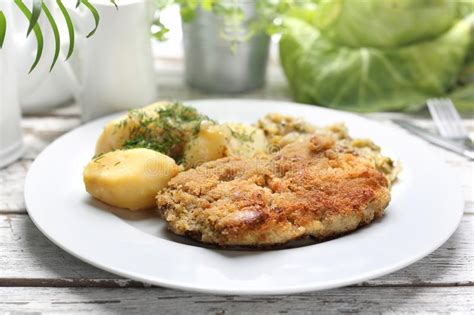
{"x":384,"y":23}
{"x":323,"y":71}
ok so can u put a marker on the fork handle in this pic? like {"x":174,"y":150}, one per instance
{"x":435,"y":139}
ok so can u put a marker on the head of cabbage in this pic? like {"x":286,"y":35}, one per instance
{"x":374,"y":55}
{"x":383,"y":23}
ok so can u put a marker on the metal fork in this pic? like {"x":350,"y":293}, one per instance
{"x":448,"y":121}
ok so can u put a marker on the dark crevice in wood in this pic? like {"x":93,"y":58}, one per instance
{"x":416,"y":285}
{"x":71,"y":283}
{"x":90,"y":302}
{"x":124,"y":283}
{"x":23,"y":159}
{"x":14,"y":212}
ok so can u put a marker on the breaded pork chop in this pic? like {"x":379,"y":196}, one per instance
{"x":314,"y":187}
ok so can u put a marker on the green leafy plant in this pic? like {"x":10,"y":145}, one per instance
{"x":237,"y":26}
{"x":405,"y":53}
{"x":268,"y":20}
{"x":269,"y":13}
{"x":33,"y":14}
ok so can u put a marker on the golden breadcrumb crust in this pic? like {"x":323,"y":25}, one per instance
{"x":314,"y":187}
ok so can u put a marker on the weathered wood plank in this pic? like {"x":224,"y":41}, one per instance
{"x":29,"y":259}
{"x":40,"y":131}
{"x":12,"y":180}
{"x":163,"y":301}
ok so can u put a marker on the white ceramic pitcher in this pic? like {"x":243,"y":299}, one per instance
{"x":113,"y":70}
{"x":11,"y":145}
{"x":16,"y":58}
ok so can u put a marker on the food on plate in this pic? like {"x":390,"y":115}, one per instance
{"x":314,"y":187}
{"x":165,"y":127}
{"x":232,"y":184}
{"x":245,"y":140}
{"x":208,"y":145}
{"x":333,"y":55}
{"x":229,"y":139}
{"x":281,"y":130}
{"x":129,"y":178}
{"x":117,"y":132}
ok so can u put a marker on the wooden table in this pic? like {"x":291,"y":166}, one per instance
{"x":37,"y":276}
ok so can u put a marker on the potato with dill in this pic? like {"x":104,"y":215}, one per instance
{"x":129,"y":178}
{"x":229,"y":139}
{"x":165,"y":127}
{"x":117,"y":132}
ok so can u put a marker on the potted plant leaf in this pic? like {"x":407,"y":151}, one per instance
{"x":226,"y":42}
{"x":32,"y":14}
{"x":222,"y":53}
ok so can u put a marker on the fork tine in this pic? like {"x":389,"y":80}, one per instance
{"x":459,"y":127}
{"x":437,"y":116}
{"x":446,"y":118}
{"x":456,"y":126}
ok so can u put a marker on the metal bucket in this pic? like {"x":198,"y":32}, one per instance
{"x":212,"y":65}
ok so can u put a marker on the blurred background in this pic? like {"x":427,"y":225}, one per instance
{"x":363,"y":56}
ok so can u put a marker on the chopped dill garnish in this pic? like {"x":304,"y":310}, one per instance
{"x":167,"y":132}
{"x":97,"y":157}
{"x":123,"y":123}
{"x":242,"y":136}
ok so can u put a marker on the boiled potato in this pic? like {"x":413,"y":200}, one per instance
{"x":129,"y":178}
{"x":210,"y":144}
{"x":229,"y":139}
{"x":117,"y":132}
{"x":245,"y":140}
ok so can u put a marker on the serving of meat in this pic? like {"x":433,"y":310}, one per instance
{"x":313,"y":187}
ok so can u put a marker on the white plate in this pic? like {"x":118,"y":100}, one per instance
{"x":426,"y":208}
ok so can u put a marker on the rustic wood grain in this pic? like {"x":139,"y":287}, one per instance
{"x":38,"y":132}
{"x":29,"y":259}
{"x":12,"y":179}
{"x":163,"y":301}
